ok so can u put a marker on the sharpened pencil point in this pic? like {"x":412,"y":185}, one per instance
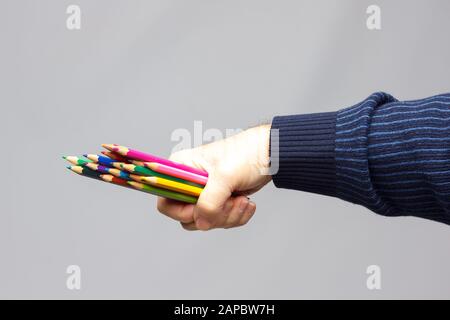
{"x":108,"y":146}
{"x":64,"y":157}
{"x":69,"y":167}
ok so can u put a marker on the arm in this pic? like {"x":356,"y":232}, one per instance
{"x":391,"y":157}
{"x":408,"y":150}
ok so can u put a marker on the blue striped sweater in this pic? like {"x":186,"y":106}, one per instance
{"x":390,"y":156}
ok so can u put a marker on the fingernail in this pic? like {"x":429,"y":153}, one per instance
{"x":202,"y":224}
{"x":243,"y":205}
{"x":250,"y":207}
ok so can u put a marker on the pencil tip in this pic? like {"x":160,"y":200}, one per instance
{"x":64,"y":157}
{"x":69,"y":167}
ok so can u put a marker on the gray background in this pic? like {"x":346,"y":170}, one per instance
{"x":136,"y":71}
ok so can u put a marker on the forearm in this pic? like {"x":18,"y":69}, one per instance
{"x":387,"y":155}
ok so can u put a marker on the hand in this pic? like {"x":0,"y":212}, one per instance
{"x":237,"y":167}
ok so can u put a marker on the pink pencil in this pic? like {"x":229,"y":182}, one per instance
{"x":175,"y":172}
{"x":141,"y":156}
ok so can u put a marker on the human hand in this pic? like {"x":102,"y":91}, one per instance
{"x":237,"y":167}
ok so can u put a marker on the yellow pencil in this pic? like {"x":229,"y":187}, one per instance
{"x":168,"y":184}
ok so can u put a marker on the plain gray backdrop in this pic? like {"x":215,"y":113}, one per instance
{"x":138,"y":70}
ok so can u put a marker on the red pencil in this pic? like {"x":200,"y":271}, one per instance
{"x":115,"y":180}
{"x":115,"y":156}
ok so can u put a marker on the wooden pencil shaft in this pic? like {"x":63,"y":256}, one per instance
{"x":164,"y":193}
{"x":169,"y":185}
{"x":148,"y":172}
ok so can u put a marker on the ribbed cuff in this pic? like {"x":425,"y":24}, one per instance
{"x":306,"y":152}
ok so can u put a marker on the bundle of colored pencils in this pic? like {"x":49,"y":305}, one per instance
{"x":141,"y":171}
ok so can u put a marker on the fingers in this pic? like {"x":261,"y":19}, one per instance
{"x":242,"y":212}
{"x":216,"y":210}
{"x":189,"y":226}
{"x":210,"y":210}
{"x":183,"y":212}
{"x":216,"y":207}
{"x":248,"y":214}
{"x":239,"y":211}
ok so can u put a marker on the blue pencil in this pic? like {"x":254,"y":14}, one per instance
{"x":120,"y":174}
{"x":104,"y":161}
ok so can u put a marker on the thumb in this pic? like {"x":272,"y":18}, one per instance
{"x":209,"y":209}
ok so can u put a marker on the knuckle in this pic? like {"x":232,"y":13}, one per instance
{"x":207,"y":208}
{"x":160,"y":205}
{"x":184,"y":216}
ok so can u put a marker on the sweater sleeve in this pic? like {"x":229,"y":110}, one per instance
{"x":392,"y":157}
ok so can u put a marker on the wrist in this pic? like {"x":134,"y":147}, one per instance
{"x":262,"y":143}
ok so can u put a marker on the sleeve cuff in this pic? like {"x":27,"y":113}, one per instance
{"x":306,"y":152}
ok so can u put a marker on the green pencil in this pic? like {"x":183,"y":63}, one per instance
{"x":149,"y":172}
{"x":162,"y":192}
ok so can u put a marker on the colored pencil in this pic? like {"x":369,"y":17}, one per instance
{"x":137,"y":163}
{"x":162,"y":192}
{"x":114,"y":156}
{"x":105,"y":161}
{"x":170,"y":180}
{"x":149,"y":172}
{"x":175,"y":172}
{"x":76,"y":160}
{"x":112,"y":179}
{"x":98,"y":167}
{"x":119,"y":173}
{"x":137,"y":169}
{"x":168,"y":184}
{"x":85,"y":172}
{"x":141,"y":156}
{"x":107,"y":170}
{"x":118,"y":165}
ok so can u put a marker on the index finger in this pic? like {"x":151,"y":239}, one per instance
{"x":180,"y":211}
